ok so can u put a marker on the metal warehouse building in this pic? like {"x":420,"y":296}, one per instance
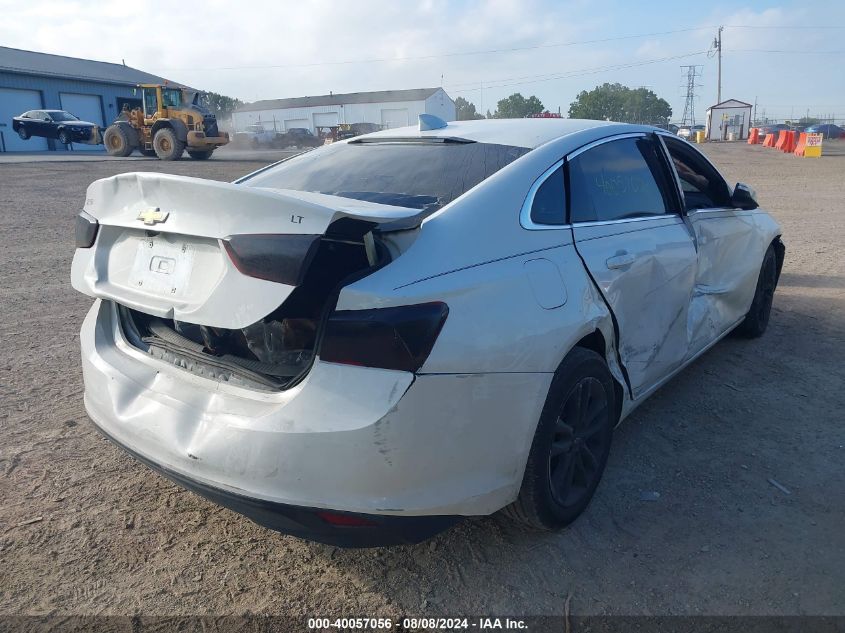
{"x":390,"y":108}
{"x":93,"y":91}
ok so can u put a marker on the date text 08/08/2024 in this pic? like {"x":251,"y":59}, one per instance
{"x":412,"y":624}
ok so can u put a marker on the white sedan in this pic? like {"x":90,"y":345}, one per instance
{"x":364,"y":343}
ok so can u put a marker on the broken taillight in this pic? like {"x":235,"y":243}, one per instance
{"x":399,"y":337}
{"x":85,"y":230}
{"x":280,"y":258}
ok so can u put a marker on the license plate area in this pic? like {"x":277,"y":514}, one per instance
{"x":162,"y":266}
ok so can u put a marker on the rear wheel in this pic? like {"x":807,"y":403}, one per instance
{"x":23,"y":133}
{"x":204,"y":154}
{"x":571,"y":444}
{"x":757,"y":319}
{"x":116,"y":140}
{"x":167,"y":146}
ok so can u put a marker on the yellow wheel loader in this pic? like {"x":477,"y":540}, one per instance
{"x":170,"y":121}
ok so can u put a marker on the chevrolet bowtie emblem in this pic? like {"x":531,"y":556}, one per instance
{"x":152,"y":216}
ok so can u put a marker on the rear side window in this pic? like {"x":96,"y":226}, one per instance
{"x":549,"y":205}
{"x":419,"y":175}
{"x":617,"y":180}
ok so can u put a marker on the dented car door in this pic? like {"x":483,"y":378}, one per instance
{"x":728,"y":242}
{"x":628,"y":230}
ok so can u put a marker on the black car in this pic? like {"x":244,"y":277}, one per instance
{"x":56,"y":124}
{"x":300,"y":137}
{"x":775,"y":129}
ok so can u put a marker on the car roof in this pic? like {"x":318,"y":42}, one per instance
{"x":529,"y":133}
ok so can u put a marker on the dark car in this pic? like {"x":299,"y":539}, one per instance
{"x":300,"y":137}
{"x":56,"y":124}
{"x":357,"y":129}
{"x":828,"y":129}
{"x":775,"y":129}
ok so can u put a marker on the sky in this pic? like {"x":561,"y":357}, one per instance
{"x":789,"y":57}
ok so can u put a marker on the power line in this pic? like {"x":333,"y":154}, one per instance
{"x":807,"y":27}
{"x":764,"y":50}
{"x":497,"y":83}
{"x":440,"y":55}
{"x":507,"y":50}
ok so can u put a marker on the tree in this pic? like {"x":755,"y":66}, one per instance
{"x":221,"y":105}
{"x":465,"y":110}
{"x":615,"y":102}
{"x":517,"y":107}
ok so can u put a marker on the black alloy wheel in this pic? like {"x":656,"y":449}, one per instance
{"x":757,"y":319}
{"x":571,"y":444}
{"x":579,"y":442}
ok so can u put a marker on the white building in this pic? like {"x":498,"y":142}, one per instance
{"x":728,"y":117}
{"x":390,"y":108}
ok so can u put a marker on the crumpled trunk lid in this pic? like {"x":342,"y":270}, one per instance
{"x":161,"y":246}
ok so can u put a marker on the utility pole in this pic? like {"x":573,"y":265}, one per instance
{"x":717,"y":44}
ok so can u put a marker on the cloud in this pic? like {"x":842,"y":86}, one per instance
{"x":276,"y":46}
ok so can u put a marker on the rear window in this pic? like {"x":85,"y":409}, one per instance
{"x":424,"y":176}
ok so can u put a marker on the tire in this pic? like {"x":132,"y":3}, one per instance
{"x":167,"y":146}
{"x":64,"y":139}
{"x":200,"y":154}
{"x":23,"y":133}
{"x":757,"y":319}
{"x":117,"y":142}
{"x":571,"y":444}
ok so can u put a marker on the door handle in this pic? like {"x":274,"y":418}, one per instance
{"x":620,"y":261}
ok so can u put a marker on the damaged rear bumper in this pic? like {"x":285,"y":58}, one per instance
{"x":408,"y":453}
{"x":344,"y":529}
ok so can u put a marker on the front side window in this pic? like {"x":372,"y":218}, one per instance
{"x":617,"y":180}
{"x":549,"y":204}
{"x":419,"y":175}
{"x":63,"y":116}
{"x":702,"y":185}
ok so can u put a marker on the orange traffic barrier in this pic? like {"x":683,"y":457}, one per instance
{"x":802,"y":143}
{"x":789,"y":144}
{"x":781,"y":140}
{"x":769,"y":141}
{"x":754,"y":136}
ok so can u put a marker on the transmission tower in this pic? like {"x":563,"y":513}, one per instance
{"x":691,"y":72}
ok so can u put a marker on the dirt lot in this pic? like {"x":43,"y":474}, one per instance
{"x":85,"y":529}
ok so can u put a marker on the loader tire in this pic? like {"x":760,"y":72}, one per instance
{"x":167,"y":146}
{"x":117,"y":141}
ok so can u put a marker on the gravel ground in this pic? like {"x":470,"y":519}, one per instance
{"x":84,"y":529}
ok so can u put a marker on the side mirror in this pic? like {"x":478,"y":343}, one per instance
{"x":744,"y":197}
